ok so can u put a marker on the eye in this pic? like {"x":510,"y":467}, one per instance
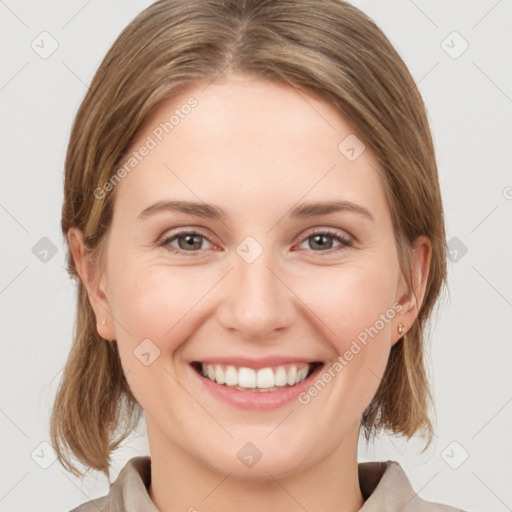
{"x":192,"y":241}
{"x":322,"y":241}
{"x":187,"y":241}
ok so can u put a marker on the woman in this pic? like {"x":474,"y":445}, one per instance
{"x":254,"y":219}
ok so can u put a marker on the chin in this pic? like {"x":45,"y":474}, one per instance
{"x":260,"y":461}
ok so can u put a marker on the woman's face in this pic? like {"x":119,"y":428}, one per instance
{"x":252,"y":276}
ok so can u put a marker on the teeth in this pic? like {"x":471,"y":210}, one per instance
{"x":280,"y":377}
{"x":302,"y":374}
{"x":292,"y":376}
{"x":247,"y":378}
{"x":264,"y":379}
{"x":220,"y":376}
{"x":231,"y":376}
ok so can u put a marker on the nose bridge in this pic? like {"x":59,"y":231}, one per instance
{"x":256,"y":301}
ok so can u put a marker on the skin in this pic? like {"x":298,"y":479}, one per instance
{"x":256,"y":149}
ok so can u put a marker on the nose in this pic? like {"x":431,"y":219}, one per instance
{"x":256,"y":301}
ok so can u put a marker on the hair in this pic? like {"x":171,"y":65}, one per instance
{"x":324,"y":47}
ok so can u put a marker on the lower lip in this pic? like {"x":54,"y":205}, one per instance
{"x":256,"y":400}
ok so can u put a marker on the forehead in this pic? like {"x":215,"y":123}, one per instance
{"x":243,"y":139}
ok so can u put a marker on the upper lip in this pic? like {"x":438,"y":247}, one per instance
{"x":256,"y":363}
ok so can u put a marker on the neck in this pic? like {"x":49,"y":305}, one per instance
{"x":180,"y":482}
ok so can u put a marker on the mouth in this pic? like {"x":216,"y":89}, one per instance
{"x":264,"y":380}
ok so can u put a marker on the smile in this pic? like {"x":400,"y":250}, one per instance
{"x":268,"y":379}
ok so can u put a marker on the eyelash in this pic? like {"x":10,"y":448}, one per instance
{"x":344,"y":242}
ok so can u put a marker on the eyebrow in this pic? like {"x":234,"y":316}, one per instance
{"x":210,"y":211}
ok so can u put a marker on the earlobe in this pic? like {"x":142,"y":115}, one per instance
{"x":87,"y":273}
{"x":412,"y":295}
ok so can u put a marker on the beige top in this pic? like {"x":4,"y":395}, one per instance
{"x":384,"y":486}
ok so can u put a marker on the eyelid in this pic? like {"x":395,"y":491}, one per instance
{"x":328,"y":230}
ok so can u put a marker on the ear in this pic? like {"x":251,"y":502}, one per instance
{"x":410,"y":297}
{"x":95,"y":288}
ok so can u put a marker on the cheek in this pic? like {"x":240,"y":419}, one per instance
{"x":353,"y":298}
{"x":157,"y":302}
{"x":357,"y":303}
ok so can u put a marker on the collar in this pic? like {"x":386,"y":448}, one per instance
{"x":384,"y":486}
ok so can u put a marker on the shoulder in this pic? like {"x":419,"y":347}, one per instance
{"x":94,"y":505}
{"x":385,"y":486}
{"x":128,"y":493}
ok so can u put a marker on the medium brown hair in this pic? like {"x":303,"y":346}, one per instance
{"x":325,"y":47}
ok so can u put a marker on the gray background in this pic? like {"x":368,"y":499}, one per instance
{"x":469,"y":98}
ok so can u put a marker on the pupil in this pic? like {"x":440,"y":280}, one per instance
{"x":321,"y":244}
{"x":190,"y":240}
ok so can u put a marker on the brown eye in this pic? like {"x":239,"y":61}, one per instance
{"x":190,"y":241}
{"x":187,"y":241}
{"x":323,"y":241}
